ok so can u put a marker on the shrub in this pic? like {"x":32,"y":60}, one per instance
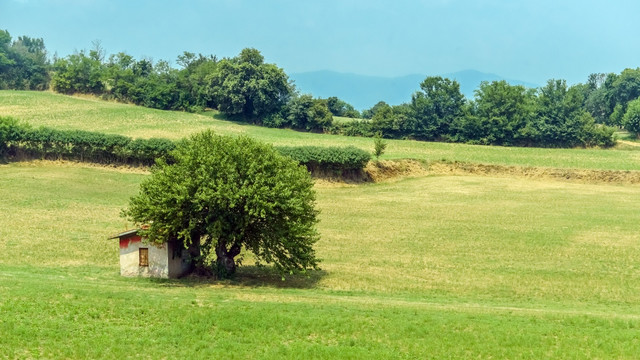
{"x":10,"y":131}
{"x":46,"y":143}
{"x":336,"y":160}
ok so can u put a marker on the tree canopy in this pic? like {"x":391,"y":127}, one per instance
{"x":248,"y":87}
{"x":224,"y":195}
{"x":23,"y":63}
{"x":631,"y":119}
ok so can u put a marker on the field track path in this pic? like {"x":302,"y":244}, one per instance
{"x":21,"y":277}
{"x":630,"y":143}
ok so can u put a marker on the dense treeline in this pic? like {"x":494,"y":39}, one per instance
{"x":501,"y":114}
{"x":19,"y":141}
{"x":23,"y":63}
{"x":246,"y":88}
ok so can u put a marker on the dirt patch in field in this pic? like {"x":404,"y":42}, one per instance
{"x":143,"y":170}
{"x":392,"y":170}
{"x":374,"y":171}
{"x":578,"y":175}
{"x":628,"y":143}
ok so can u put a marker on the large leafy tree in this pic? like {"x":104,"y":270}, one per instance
{"x":503,"y":112}
{"x":560,"y":119}
{"x":79,"y":73}
{"x":306,"y":113}
{"x":224,"y":195}
{"x":23,"y":63}
{"x":631,"y":119}
{"x":339,"y":107}
{"x":436,"y":107}
{"x":248,"y":87}
{"x":193,"y":80}
{"x":625,"y":88}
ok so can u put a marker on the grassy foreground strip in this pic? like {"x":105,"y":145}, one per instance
{"x":54,"y":314}
{"x":428,"y":267}
{"x":65,"y":112}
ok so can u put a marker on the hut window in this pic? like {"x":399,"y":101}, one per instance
{"x":144,"y":256}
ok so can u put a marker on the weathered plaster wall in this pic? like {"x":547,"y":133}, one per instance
{"x":179,"y":262}
{"x":130,"y":259}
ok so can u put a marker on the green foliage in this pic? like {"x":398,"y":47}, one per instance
{"x":631,"y":118}
{"x":223,"y":195}
{"x":65,"y":112}
{"x":10,"y":131}
{"x":379,"y":145}
{"x":193,"y":81}
{"x":341,"y":108}
{"x":503,"y":112}
{"x":247,"y":87}
{"x":560,"y":118}
{"x":369,"y":113}
{"x":306,"y":113}
{"x":436,"y":107}
{"x":23,"y":63}
{"x":352,"y":128}
{"x":79,"y":73}
{"x":22,"y":141}
{"x":336,"y":160}
{"x":45,"y":143}
{"x":394,"y":121}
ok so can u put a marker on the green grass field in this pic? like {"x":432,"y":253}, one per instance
{"x":426,"y":267}
{"x":432,"y":266}
{"x":64,"y":112}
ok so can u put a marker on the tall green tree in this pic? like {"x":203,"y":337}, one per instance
{"x":504,"y":112}
{"x":306,"y":113}
{"x":631,"y":119}
{"x":600,"y":100}
{"x":248,"y":87}
{"x":5,"y":43}
{"x":79,"y":73}
{"x":23,"y":63}
{"x":436,"y":107}
{"x":226,"y":195}
{"x":341,"y":108}
{"x":561,"y":121}
{"x":193,"y":80}
{"x":625,"y":88}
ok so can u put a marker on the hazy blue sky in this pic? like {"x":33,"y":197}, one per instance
{"x":526,"y":40}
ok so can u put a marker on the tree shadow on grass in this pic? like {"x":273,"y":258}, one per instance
{"x":251,"y":276}
{"x":236,"y":119}
{"x":261,"y":276}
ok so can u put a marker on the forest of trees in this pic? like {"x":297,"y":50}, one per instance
{"x":248,"y":89}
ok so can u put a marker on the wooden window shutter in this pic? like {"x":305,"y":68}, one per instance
{"x":144,"y":256}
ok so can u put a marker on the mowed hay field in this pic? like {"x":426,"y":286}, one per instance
{"x":432,"y":266}
{"x":427,"y":267}
{"x":65,"y":112}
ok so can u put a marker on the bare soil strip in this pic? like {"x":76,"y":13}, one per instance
{"x":577,"y":175}
{"x":389,"y":171}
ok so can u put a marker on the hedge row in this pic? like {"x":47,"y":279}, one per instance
{"x":336,"y":160}
{"x":20,"y":141}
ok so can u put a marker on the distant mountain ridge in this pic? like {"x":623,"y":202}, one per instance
{"x":364,"y":91}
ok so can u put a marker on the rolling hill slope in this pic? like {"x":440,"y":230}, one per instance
{"x":67,"y":112}
{"x":363,"y":91}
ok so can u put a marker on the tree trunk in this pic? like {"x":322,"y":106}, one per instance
{"x":225,"y":263}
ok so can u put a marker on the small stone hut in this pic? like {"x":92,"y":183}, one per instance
{"x":140,"y":258}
